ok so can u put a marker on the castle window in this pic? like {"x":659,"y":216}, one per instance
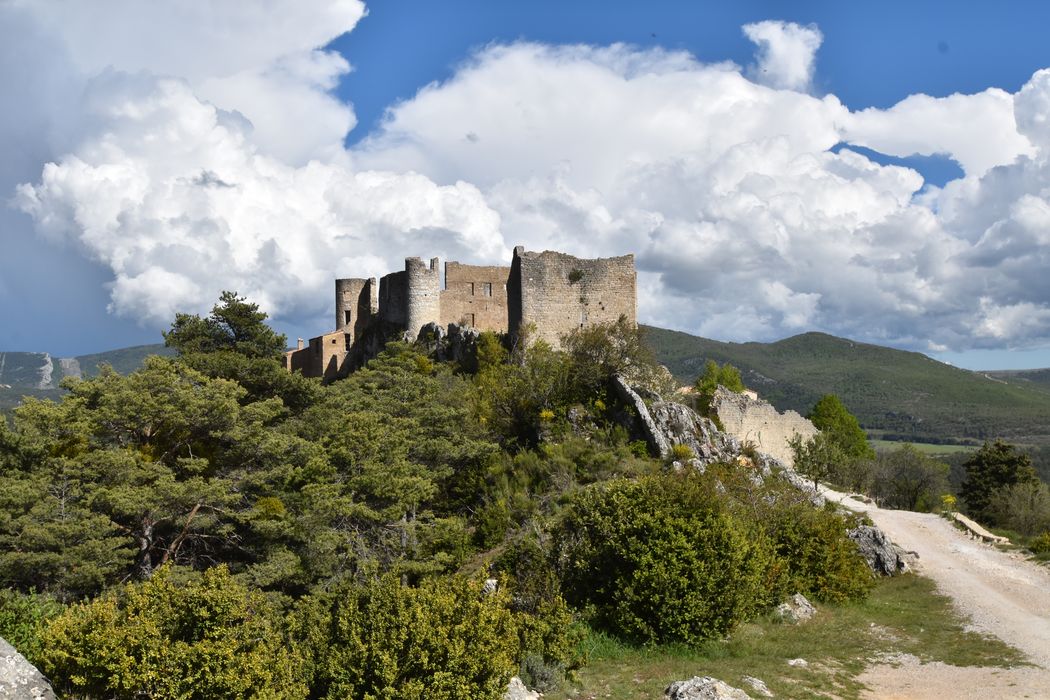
{"x":470,"y":317}
{"x":486,"y":289}
{"x":347,"y":317}
{"x":471,"y":288}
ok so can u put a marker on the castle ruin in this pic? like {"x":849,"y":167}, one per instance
{"x":552,"y":293}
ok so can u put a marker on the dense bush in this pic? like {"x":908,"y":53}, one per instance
{"x":812,"y":553}
{"x":22,"y":619}
{"x":198,"y":636}
{"x":814,"y":556}
{"x":442,"y":640}
{"x":659,"y":559}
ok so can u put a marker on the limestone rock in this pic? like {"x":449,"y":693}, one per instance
{"x":884,"y":557}
{"x":666,"y":424}
{"x":704,"y":688}
{"x":19,"y":679}
{"x":800,"y":663}
{"x":758,"y":686}
{"x":453,"y":344}
{"x":516,"y":690}
{"x":796,"y":609}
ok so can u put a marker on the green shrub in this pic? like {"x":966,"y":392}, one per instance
{"x":659,"y":559}
{"x":442,"y":640}
{"x":682,"y":453}
{"x":814,"y":556}
{"x":22,"y":618}
{"x":1040,"y":544}
{"x":199,"y":636}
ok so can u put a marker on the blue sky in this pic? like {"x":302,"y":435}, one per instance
{"x":321,"y":121}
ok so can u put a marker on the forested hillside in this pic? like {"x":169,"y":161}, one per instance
{"x":903,"y":395}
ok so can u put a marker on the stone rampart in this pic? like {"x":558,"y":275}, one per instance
{"x":475,"y":296}
{"x":750,"y":419}
{"x":557,"y":293}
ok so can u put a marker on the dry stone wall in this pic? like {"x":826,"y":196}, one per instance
{"x":750,"y":419}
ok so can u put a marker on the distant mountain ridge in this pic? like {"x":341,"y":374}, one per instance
{"x":894,"y":393}
{"x":40,"y":374}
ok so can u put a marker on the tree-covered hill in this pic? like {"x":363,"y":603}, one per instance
{"x":1037,"y":378}
{"x":905,"y":395}
{"x":39,"y":374}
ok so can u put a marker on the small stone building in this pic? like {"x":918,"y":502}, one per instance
{"x":551,"y":293}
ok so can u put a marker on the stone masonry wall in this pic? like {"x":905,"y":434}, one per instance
{"x":559,"y":292}
{"x":423,"y":294}
{"x":751,"y":419}
{"x":393,"y":298}
{"x":356,"y":304}
{"x":475,"y":295}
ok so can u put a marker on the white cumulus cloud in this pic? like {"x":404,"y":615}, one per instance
{"x":786,"y":53}
{"x":184,"y":175}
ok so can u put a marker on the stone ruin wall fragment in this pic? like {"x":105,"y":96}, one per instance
{"x":752,"y":419}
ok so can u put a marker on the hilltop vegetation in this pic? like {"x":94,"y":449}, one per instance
{"x":211,"y":526}
{"x":897,"y":394}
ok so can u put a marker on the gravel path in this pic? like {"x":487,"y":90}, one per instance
{"x":1001,"y":594}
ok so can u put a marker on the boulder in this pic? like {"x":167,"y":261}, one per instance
{"x":704,"y":688}
{"x":19,"y":679}
{"x":758,"y":686}
{"x":796,"y":609}
{"x":884,"y":557}
{"x":455,"y":343}
{"x":516,"y":690}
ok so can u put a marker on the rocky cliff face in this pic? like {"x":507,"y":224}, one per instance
{"x":667,"y":424}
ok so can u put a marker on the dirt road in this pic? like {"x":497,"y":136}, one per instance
{"x":1000,"y":593}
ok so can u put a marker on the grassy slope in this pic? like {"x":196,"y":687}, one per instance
{"x":904,"y":614}
{"x":891,"y":391}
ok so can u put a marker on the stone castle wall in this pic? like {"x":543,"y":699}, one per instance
{"x":557,"y":293}
{"x":553,"y":292}
{"x":423,"y":295}
{"x":475,"y":295}
{"x":356,"y":304}
{"x":748,"y":418}
{"x":393,"y":299}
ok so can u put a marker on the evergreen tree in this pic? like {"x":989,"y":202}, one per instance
{"x":993,"y":467}
{"x":235,"y":342}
